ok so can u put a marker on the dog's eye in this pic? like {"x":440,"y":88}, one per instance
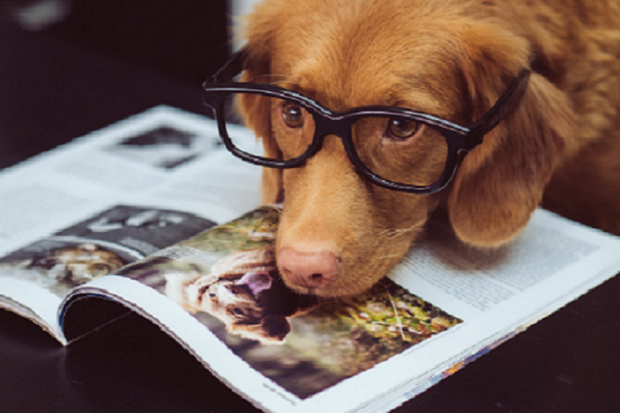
{"x":401,"y":128}
{"x":238,"y":311}
{"x":293,"y":115}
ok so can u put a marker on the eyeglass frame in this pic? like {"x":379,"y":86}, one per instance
{"x":459,"y":139}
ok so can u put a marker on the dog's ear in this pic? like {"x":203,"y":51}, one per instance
{"x":272,"y":330}
{"x":256,"y":111}
{"x":500,"y":183}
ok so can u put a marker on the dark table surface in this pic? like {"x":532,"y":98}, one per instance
{"x":51,"y":92}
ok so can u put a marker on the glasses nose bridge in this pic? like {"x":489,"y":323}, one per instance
{"x":331,"y":125}
{"x":337,"y":126}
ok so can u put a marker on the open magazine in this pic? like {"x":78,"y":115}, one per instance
{"x":215,"y":289}
{"x":110,"y":198}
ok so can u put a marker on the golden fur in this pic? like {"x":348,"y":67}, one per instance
{"x":453,"y":59}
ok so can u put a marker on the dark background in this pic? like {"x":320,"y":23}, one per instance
{"x":109,"y":59}
{"x":140,"y":52}
{"x":183,"y":39}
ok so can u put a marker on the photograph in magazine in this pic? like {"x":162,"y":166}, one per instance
{"x":164,"y":147}
{"x":227,"y":278}
{"x":99,"y":246}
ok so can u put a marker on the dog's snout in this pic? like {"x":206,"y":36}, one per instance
{"x":308,"y":269}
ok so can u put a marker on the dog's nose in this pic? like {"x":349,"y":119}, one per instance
{"x":308,"y":269}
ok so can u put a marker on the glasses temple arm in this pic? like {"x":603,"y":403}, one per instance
{"x":233,"y":66}
{"x":504,"y":106}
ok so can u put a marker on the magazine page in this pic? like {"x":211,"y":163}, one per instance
{"x":220,"y":296}
{"x":163,"y":156}
{"x":162,"y":167}
{"x":36,"y":277}
{"x":497,"y":293}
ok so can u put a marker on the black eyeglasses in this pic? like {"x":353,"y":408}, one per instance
{"x":395,"y":148}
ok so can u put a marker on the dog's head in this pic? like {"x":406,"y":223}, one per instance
{"x":244,"y":291}
{"x":242,"y":305}
{"x":339,"y":233}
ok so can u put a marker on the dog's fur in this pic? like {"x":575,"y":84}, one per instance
{"x":254,"y":312}
{"x":450,"y":58}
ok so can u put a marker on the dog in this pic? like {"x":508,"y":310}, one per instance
{"x":560,"y":146}
{"x":245,"y":292}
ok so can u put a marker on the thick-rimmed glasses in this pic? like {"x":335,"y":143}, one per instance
{"x":395,"y":148}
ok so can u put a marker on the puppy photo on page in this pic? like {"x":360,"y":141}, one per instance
{"x":375,"y":113}
{"x":243,"y":291}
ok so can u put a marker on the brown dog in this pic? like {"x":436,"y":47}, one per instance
{"x":339,"y":233}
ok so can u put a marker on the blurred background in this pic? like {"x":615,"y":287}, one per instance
{"x":68,"y":67}
{"x":187,"y":39}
